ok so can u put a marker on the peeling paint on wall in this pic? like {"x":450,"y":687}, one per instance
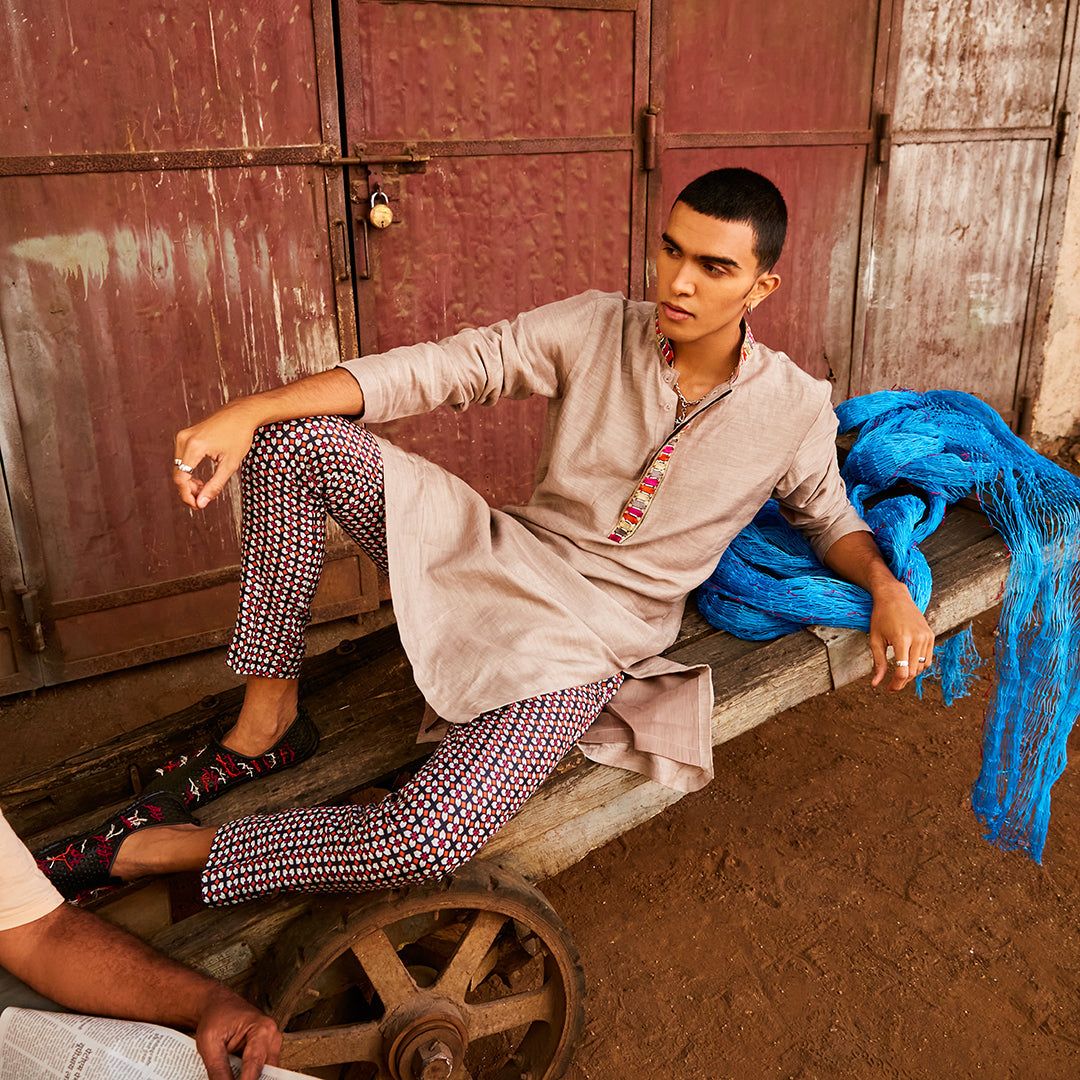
{"x":84,"y":255}
{"x":93,"y":256}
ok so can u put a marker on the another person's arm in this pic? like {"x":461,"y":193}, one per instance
{"x":90,"y":966}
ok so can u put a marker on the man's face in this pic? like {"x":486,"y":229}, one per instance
{"x":706,"y":275}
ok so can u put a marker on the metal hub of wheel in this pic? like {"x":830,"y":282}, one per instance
{"x":471,"y":978}
{"x":431,"y":1043}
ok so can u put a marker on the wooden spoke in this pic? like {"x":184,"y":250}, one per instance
{"x":457,"y":979}
{"x":544,"y":1004}
{"x":383,"y":967}
{"x":332,"y":1046}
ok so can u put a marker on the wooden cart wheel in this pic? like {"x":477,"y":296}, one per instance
{"x":470,"y":978}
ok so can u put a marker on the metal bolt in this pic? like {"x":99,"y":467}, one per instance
{"x":436,"y":1061}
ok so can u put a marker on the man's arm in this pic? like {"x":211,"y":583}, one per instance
{"x":225,"y":437}
{"x":90,"y":966}
{"x":895,"y":620}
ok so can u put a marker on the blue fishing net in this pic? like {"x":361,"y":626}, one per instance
{"x":915,"y":454}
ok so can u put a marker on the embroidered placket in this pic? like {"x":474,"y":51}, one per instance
{"x":637,"y":506}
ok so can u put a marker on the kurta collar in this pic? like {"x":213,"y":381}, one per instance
{"x":637,"y":506}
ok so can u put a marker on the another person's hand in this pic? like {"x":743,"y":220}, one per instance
{"x":228,"y":1024}
{"x":224,"y":438}
{"x":897,"y":621}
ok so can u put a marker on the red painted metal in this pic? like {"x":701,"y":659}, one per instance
{"x":150,"y":161}
{"x":768,"y":67}
{"x":788,"y":91}
{"x":177,"y":230}
{"x":134,"y":300}
{"x":529,"y":116}
{"x":111,"y":77}
{"x":485,"y":73}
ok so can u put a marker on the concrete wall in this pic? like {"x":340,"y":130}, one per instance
{"x":1057,"y":409}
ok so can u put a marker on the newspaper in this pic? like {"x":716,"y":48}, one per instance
{"x":63,"y":1046}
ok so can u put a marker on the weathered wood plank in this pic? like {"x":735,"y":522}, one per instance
{"x":572,"y":815}
{"x":363,"y":700}
{"x":369,"y":721}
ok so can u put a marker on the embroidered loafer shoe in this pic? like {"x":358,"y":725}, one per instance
{"x":214,"y":769}
{"x":81,"y":866}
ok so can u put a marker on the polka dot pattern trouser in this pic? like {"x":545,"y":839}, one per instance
{"x":479,"y":776}
{"x":295,"y":474}
{"x":477,"y":779}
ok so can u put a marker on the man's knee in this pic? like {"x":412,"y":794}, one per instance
{"x":289,"y":444}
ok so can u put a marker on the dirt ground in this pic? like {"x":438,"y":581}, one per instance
{"x":827,"y":908}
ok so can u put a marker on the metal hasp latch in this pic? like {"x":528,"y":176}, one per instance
{"x":31,"y":612}
{"x":408,"y":161}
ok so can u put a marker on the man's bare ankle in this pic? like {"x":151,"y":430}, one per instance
{"x":254,"y":736}
{"x":149,"y":851}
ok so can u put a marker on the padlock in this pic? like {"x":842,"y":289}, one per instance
{"x":380,"y":215}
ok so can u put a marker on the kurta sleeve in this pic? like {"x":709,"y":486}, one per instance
{"x":530,"y":354}
{"x":811,"y":495}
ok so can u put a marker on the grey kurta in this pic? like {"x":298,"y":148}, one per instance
{"x":495,"y":606}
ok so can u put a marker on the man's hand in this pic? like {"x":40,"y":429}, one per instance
{"x":228,"y":1024}
{"x":895,"y":619}
{"x":224,"y":438}
{"x":119,"y":975}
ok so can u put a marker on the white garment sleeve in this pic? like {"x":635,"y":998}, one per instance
{"x":26,"y":893}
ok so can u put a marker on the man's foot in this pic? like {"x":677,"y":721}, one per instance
{"x":215,"y":769}
{"x":81,"y":866}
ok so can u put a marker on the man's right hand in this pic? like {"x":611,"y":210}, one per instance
{"x":224,"y":438}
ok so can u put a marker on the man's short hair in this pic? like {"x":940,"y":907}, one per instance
{"x":745,"y":197}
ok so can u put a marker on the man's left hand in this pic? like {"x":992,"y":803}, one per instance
{"x":896,"y":621}
{"x":230,"y":1024}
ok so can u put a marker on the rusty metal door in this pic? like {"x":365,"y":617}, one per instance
{"x":963,"y":211}
{"x":524,"y":119}
{"x":792,"y":91}
{"x":175,"y":232}
{"x":166,"y":243}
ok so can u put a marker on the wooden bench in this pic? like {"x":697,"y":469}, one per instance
{"x":419,"y":959}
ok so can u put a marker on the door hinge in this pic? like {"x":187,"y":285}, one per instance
{"x":883,"y":137}
{"x":1062,"y":135}
{"x":31,"y":612}
{"x":648,"y":130}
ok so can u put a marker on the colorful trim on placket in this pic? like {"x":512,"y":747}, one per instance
{"x":633,"y":513}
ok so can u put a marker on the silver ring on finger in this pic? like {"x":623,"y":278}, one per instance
{"x":182,"y":467}
{"x":922,"y":659}
{"x":902,"y":663}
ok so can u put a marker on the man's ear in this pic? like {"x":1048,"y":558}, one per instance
{"x":765,"y":285}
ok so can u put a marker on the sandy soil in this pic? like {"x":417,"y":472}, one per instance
{"x":828,"y":908}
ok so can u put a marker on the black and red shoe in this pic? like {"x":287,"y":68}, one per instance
{"x":81,"y":866}
{"x":215,"y":769}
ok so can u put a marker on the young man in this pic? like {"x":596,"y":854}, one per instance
{"x":84,"y":964}
{"x":668,"y":428}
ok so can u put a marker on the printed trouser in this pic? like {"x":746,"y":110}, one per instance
{"x":480,"y":774}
